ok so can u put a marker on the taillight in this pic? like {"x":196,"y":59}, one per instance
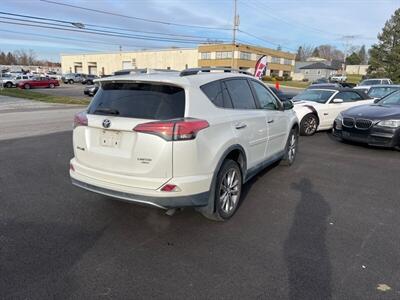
{"x":177,"y":130}
{"x":80,"y":119}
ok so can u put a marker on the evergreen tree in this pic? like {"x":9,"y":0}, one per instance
{"x":385,"y":55}
{"x":315,"y":52}
{"x":362,"y":54}
{"x":353,"y":59}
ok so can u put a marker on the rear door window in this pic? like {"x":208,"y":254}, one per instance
{"x":139,"y":100}
{"x":266,"y":99}
{"x":240,"y":93}
{"x":217,"y":94}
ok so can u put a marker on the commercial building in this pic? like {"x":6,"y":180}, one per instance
{"x":244,"y":57}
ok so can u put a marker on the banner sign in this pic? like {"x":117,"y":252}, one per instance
{"x":261,"y":65}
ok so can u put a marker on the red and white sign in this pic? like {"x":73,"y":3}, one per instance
{"x":261,"y":65}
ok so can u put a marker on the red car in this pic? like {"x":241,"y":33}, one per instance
{"x":38,"y":82}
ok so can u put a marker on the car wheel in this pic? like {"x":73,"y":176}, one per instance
{"x":308,"y":125}
{"x":8,"y":85}
{"x":27,"y":86}
{"x":291,"y":148}
{"x":51,"y":85}
{"x":228,"y":189}
{"x":71,"y":81}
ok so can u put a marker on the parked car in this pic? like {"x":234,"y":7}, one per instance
{"x":41,"y":82}
{"x":174,"y":140}
{"x":53,"y":75}
{"x":72,"y":78}
{"x":316,"y":109}
{"x":380,"y":91}
{"x":332,"y":85}
{"x":366,"y":84}
{"x":376,"y":124}
{"x":283,"y":96}
{"x":338,"y":78}
{"x":89,"y":79}
{"x":320,"y":80}
{"x":7,"y":80}
{"x":91,"y":90}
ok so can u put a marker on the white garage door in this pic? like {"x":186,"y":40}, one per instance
{"x":127,"y":64}
{"x":92,"y":70}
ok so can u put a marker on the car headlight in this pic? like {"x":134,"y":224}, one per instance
{"x":389,"y":123}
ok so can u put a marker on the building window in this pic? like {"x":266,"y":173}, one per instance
{"x":287,"y":61}
{"x":275,"y":60}
{"x":245,"y":55}
{"x":223,"y":54}
{"x":274,"y":72}
{"x":205,"y":55}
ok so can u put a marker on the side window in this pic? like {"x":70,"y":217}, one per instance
{"x":217,"y":94}
{"x":348,"y":96}
{"x":241,"y":95}
{"x":24,"y":77}
{"x":266,"y":99}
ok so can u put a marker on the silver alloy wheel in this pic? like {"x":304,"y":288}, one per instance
{"x":292,"y":147}
{"x":229,"y":191}
{"x":310,"y":125}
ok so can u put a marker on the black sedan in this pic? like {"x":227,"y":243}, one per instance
{"x":376,"y":124}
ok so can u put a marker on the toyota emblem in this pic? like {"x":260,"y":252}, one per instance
{"x":106,"y":123}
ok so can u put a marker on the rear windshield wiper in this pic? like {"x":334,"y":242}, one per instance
{"x":107,"y":110}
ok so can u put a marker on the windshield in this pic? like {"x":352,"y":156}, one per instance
{"x":380,"y":92}
{"x":392,"y":99}
{"x":320,"y":96}
{"x":370,"y":82}
{"x":139,"y":100}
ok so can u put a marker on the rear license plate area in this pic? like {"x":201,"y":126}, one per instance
{"x":110,"y":138}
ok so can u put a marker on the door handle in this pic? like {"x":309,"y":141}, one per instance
{"x":270,"y":121}
{"x":325,"y":114}
{"x":240,"y":125}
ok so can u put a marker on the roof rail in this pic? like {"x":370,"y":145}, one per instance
{"x":194,"y":71}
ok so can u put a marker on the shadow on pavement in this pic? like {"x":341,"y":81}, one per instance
{"x":306,"y":255}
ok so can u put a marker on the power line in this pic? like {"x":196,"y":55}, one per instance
{"x":106,"y":31}
{"x":100,"y":26}
{"x":134,"y":18}
{"x":265,"y":40}
{"x":101,"y":33}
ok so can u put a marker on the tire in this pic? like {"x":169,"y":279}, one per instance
{"x":226,"y":206}
{"x":51,"y":85}
{"x":71,"y":81}
{"x":309,"y":125}
{"x":291,"y":148}
{"x":27,"y":86}
{"x":8,"y":85}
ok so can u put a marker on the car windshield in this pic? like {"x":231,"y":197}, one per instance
{"x":370,"y":82}
{"x":380,"y":92}
{"x":320,"y":96}
{"x":392,"y":99}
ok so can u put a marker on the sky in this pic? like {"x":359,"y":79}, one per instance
{"x":268,"y":23}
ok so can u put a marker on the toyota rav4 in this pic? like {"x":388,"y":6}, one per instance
{"x":173,"y":140}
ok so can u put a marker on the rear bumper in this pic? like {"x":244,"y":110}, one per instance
{"x":376,"y":136}
{"x":194,"y":190}
{"x":159,"y":202}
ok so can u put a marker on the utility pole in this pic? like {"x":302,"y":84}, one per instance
{"x":347,"y":44}
{"x":234,"y":28}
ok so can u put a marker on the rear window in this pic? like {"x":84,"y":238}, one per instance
{"x":217,"y":94}
{"x":139,"y":100}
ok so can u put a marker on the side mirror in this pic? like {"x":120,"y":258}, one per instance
{"x":377,"y":100}
{"x":337,"y":101}
{"x":287,"y":104}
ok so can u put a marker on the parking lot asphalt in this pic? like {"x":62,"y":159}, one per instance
{"x":326,"y":228}
{"x":71,"y":90}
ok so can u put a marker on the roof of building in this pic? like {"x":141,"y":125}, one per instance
{"x":318,"y":65}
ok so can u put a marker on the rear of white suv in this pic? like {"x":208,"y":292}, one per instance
{"x":163,"y":139}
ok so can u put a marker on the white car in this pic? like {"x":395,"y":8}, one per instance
{"x":338,"y":78}
{"x":174,"y":140}
{"x":317,"y":109}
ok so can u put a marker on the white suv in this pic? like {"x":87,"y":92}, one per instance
{"x":174,"y":140}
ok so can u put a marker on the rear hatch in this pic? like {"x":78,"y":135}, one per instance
{"x":108,"y":146}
